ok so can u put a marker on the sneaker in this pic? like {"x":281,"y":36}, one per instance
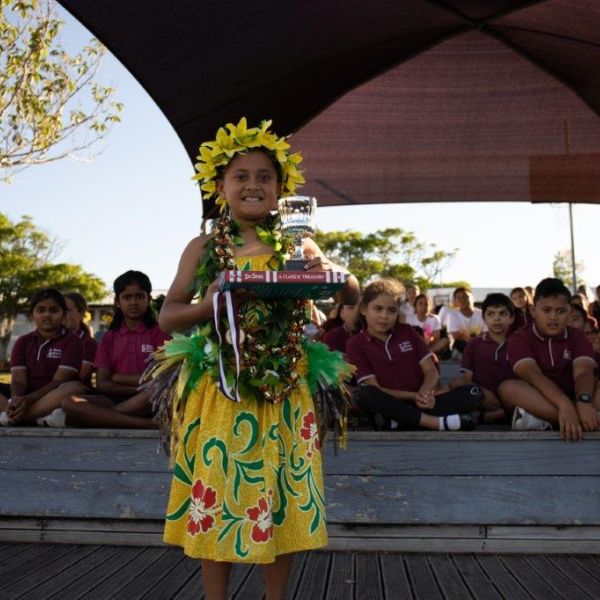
{"x":381,"y":423}
{"x":4,"y":420}
{"x":523,"y":421}
{"x":55,"y":419}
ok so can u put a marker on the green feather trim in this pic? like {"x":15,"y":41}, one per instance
{"x":325,"y":366}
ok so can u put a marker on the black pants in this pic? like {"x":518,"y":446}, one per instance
{"x":372,"y":400}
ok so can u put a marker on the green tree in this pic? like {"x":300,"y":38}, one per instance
{"x":562,"y":267}
{"x":390,"y":252}
{"x":26,"y":266}
{"x":51,"y":106}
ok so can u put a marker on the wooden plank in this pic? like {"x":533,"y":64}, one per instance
{"x":77,"y":432}
{"x":544,"y":532}
{"x":422,"y":580}
{"x":502,"y":578}
{"x":139,"y":587}
{"x":116,"y":559}
{"x":448,"y":577}
{"x":58,"y":582}
{"x":14,"y":569}
{"x":529,"y":579}
{"x":111,"y":586}
{"x":565,"y":587}
{"x":540,"y":500}
{"x":360,"y":530}
{"x":7,"y":551}
{"x":83,"y":494}
{"x":577,"y":574}
{"x":589,"y":564}
{"x":192,"y":590}
{"x":50,"y":571}
{"x":475,"y":577}
{"x":314,"y":582}
{"x":462,"y":457}
{"x":186,"y":570}
{"x":237,"y":576}
{"x":296,"y":574}
{"x":81,"y":454}
{"x":340,"y":584}
{"x":395,"y":577}
{"x":253,"y":585}
{"x":367,"y":576}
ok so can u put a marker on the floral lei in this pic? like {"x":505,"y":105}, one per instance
{"x":271,"y":331}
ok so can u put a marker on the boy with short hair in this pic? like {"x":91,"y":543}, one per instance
{"x":485,"y":360}
{"x":555,"y":366}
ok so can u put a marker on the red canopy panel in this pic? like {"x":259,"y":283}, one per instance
{"x":412,"y":101}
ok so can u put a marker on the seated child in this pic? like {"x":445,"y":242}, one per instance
{"x":395,"y":371}
{"x":555,"y":366}
{"x":407,"y":308}
{"x":44,"y":364}
{"x":522,"y":302}
{"x":429,"y":323}
{"x":465,"y":322}
{"x":76,"y":309}
{"x":485,"y":360}
{"x":121,"y":359}
{"x":337,"y":337}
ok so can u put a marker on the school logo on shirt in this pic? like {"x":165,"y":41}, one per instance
{"x":405,"y":346}
{"x":147,"y":348}
{"x":54,"y":353}
{"x":567,"y":354}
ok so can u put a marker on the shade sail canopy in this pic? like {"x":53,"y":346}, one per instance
{"x":412,"y":101}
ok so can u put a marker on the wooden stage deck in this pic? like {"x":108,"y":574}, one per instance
{"x":73,"y":572}
{"x":447,"y":492}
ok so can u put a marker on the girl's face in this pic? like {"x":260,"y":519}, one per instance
{"x":462,"y":300}
{"x":381,"y":314}
{"x":576,"y":320}
{"x":250,"y":187}
{"x":411,"y":293}
{"x":73,"y":317}
{"x":519,"y":299}
{"x":133,"y":302}
{"x":348,"y":314}
{"x":421,"y":306}
{"x":48,"y":316}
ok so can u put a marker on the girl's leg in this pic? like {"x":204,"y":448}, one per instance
{"x":372,"y":400}
{"x":52,"y":400}
{"x":83,"y":413}
{"x":276,"y":577}
{"x":215,"y":577}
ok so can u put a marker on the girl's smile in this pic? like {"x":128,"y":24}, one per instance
{"x":48,"y":317}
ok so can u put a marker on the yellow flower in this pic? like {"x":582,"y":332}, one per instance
{"x":235,"y":139}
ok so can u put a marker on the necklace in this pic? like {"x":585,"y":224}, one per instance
{"x":271,"y":332}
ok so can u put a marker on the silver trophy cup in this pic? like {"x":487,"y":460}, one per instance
{"x":297,"y":214}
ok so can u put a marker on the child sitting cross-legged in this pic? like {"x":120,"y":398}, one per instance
{"x":485,"y":360}
{"x":396,"y":374}
{"x":555,"y":366}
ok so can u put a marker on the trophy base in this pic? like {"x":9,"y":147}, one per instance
{"x":294,"y":265}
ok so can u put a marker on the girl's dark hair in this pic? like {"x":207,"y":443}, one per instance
{"x":578,"y":308}
{"x":386,"y":286}
{"x":121,"y":282}
{"x":81,"y":305}
{"x":419,"y":297}
{"x":528,"y":298}
{"x":48,"y":294}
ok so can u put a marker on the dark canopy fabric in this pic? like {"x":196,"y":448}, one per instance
{"x":389,"y":101}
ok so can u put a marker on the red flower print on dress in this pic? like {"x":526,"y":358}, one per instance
{"x":310,"y":432}
{"x":261,"y":516}
{"x":202,"y":509}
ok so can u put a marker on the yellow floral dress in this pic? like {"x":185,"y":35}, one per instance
{"x":247,"y":483}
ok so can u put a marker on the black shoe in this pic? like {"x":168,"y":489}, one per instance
{"x":467,"y":421}
{"x":381,"y":423}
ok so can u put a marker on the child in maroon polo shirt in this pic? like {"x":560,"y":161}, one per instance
{"x":44,"y":364}
{"x":485,"y":359}
{"x":120,"y":359}
{"x":338,"y":337}
{"x":555,"y":366}
{"x":395,"y":371}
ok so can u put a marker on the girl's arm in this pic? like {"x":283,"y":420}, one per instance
{"x":18,"y":382}
{"x":177,"y":314}
{"x":107,"y":385}
{"x":426,"y":393}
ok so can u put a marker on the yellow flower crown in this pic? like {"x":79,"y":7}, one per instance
{"x":236,"y":139}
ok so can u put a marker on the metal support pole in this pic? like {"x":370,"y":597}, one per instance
{"x":573,"y":264}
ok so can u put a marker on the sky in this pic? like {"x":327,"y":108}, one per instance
{"x":135,"y":206}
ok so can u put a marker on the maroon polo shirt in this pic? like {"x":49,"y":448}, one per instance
{"x":89,"y":346}
{"x":554,"y":355}
{"x":395,"y":363}
{"x":337,"y":338}
{"x":487,"y":361}
{"x":41,"y":358}
{"x":126,"y":351}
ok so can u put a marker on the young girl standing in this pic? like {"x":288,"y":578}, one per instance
{"x":247,"y":485}
{"x":44,"y":364}
{"x":121,"y":358}
{"x":395,"y":371}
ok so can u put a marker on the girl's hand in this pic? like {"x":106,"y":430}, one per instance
{"x":319,"y":263}
{"x":425,"y":399}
